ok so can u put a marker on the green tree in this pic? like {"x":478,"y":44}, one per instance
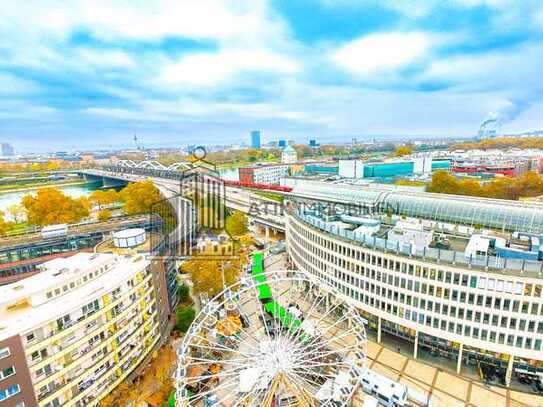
{"x":236,"y":223}
{"x":184,"y":315}
{"x":140,"y":197}
{"x":51,"y":206}
{"x":184,"y":293}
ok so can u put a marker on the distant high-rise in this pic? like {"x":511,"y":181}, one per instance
{"x":313,"y":143}
{"x":282,"y":143}
{"x":255,"y":139}
{"x":7,"y":150}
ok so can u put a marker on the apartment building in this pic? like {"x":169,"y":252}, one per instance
{"x":264,"y":174}
{"x":70,"y":334}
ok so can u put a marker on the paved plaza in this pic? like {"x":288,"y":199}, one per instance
{"x":446,"y":389}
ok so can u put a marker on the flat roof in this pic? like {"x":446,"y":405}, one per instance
{"x":24,"y":307}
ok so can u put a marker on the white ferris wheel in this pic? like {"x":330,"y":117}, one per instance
{"x":273,"y":339}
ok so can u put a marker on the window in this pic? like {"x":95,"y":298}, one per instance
{"x":30,"y":337}
{"x":4,"y":353}
{"x":7,"y":372}
{"x":10,"y":391}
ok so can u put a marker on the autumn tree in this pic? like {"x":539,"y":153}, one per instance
{"x":527,"y":185}
{"x":104,"y":197}
{"x":236,"y":224}
{"x":51,"y":206}
{"x":4,"y":226}
{"x":403,"y":150}
{"x":140,"y":197}
{"x":104,"y":215}
{"x":207,"y":275}
{"x":17,"y":212}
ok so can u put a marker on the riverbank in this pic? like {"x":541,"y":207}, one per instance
{"x":8,"y":189}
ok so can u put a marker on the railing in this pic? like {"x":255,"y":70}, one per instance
{"x":529,"y":268}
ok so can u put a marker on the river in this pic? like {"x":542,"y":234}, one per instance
{"x":75,"y":191}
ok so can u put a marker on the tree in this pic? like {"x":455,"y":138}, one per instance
{"x":247,"y":240}
{"x":4,"y":226}
{"x":236,"y":224}
{"x":184,"y":293}
{"x":104,"y":215}
{"x":184,"y":315}
{"x":207,"y":275}
{"x":17,"y":212}
{"x":443,"y":182}
{"x":51,"y":206}
{"x":103,"y":198}
{"x":140,"y":197}
{"x":403,"y":150}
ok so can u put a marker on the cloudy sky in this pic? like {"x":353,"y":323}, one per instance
{"x":92,"y":73}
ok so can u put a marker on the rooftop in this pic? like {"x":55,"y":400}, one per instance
{"x":24,"y":305}
{"x":498,"y":214}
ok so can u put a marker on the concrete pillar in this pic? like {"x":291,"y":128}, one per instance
{"x":416,"y":347}
{"x":267,"y":229}
{"x":379,"y":330}
{"x":509,"y":370}
{"x":459,"y":361}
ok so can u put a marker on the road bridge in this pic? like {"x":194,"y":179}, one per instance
{"x":260,"y":210}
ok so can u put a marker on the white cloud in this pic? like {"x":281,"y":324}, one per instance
{"x":375,"y":52}
{"x":211,"y":68}
{"x":510,"y":69}
{"x":150,"y":19}
{"x":11,"y":85}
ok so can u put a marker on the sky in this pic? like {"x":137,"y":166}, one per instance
{"x":91,"y":74}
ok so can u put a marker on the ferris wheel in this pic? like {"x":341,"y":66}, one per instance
{"x":273,"y":339}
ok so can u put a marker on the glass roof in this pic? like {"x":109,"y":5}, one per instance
{"x":473,"y":211}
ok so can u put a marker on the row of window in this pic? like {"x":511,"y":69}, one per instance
{"x":87,"y":277}
{"x":366,"y":278}
{"x":9,"y":392}
{"x":423,"y":319}
{"x":428,"y":272}
{"x":465,"y":296}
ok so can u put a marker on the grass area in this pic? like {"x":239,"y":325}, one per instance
{"x":409,"y":183}
{"x":18,"y":228}
{"x":270,"y":195}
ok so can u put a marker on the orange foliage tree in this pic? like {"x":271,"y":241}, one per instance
{"x":51,"y":206}
{"x":528,"y":184}
{"x":140,"y":197}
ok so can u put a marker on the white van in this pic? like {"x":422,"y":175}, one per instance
{"x":388,"y":392}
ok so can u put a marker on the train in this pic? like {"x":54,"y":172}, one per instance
{"x":253,"y":185}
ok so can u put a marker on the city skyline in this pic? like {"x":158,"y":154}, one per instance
{"x":88,"y":76}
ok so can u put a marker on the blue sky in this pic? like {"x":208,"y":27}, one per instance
{"x":83,"y":74}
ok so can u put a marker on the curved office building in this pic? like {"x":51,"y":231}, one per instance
{"x":470,"y":294}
